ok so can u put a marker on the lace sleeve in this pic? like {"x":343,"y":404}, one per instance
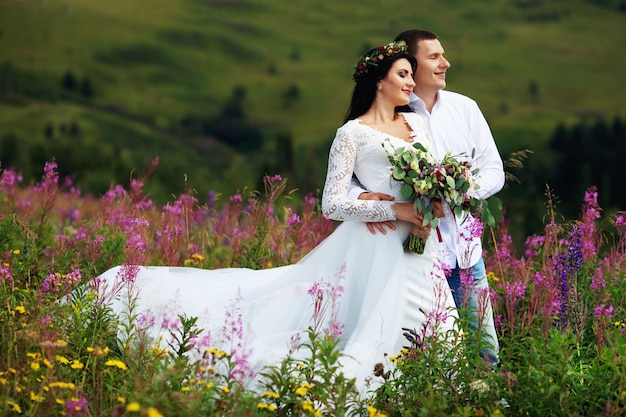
{"x":336,"y":204}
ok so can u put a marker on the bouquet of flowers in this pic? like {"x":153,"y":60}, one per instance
{"x":425,"y":180}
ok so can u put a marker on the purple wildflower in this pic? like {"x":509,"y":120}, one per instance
{"x":76,"y":407}
{"x":602,"y":310}
{"x":10,"y":179}
{"x":597,"y":280}
{"x":533,"y":243}
{"x":6,"y":274}
{"x":294,"y":219}
{"x":574,"y":251}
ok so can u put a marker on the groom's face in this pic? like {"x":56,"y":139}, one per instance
{"x":430,"y":76}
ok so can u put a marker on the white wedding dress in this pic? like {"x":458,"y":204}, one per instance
{"x":384,"y":288}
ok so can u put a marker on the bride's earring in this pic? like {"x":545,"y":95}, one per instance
{"x":380,"y":87}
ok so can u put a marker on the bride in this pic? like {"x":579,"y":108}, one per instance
{"x":377,"y":287}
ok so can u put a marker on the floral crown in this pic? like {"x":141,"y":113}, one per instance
{"x":375,"y":56}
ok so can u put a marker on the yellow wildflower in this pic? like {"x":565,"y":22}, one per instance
{"x":153,"y":412}
{"x":16,"y":251}
{"x":492,"y":277}
{"x":76,"y":364}
{"x":61,"y":343}
{"x":373,"y":412}
{"x":59,"y":401}
{"x":98,"y":351}
{"x":226,"y":389}
{"x":121,"y":400}
{"x":271,"y":407}
{"x":307,"y":405}
{"x":116,"y":363}
{"x":270,"y":394}
{"x":134,"y":406}
{"x":62,"y":359}
{"x":60,"y":384}
{"x":20,"y":309}
{"x":262,"y":406}
{"x":36,"y":397}
{"x":3,"y":381}
{"x":185,"y":389}
{"x":13,"y":406}
{"x":34,"y":366}
{"x":216,"y":352}
{"x":301,"y":391}
{"x":47,"y":363}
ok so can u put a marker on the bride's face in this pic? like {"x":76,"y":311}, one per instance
{"x":398,"y":83}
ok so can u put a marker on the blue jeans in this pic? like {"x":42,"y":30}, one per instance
{"x":478,"y":304}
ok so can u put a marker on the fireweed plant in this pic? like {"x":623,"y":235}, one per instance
{"x":560,"y":310}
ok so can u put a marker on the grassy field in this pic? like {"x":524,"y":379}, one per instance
{"x":529,"y":64}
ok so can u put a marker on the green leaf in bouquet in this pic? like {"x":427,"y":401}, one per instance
{"x":406,"y":191}
{"x":428,"y":218}
{"x":419,"y":146}
{"x":458,"y":211}
{"x":487,"y":217}
{"x":418,"y":205}
{"x":450,"y":182}
{"x":435,"y":222}
{"x":495,"y":207}
{"x":398,"y":173}
{"x":413,"y":174}
{"x":460,"y":183}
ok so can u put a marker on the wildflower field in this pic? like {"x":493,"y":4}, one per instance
{"x":560,"y":310}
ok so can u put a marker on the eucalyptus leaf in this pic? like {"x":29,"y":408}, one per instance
{"x":406,"y":191}
{"x":398,"y":173}
{"x":428,"y":217}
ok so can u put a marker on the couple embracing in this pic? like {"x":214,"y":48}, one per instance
{"x":398,"y":100}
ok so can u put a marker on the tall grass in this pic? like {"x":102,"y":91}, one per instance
{"x":560,"y":312}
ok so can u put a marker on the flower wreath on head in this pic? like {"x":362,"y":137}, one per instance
{"x":375,"y":56}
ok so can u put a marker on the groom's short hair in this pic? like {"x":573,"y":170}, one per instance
{"x":412,"y":38}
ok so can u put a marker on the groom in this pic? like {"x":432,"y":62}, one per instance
{"x":456,"y":124}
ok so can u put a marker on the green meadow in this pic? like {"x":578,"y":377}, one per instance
{"x":106,"y":87}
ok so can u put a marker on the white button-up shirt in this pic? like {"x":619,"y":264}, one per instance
{"x":457,"y":125}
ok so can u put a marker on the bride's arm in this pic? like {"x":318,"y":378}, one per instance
{"x":338,"y":205}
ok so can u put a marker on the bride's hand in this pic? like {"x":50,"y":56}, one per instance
{"x":406,"y":212}
{"x":378,"y":225}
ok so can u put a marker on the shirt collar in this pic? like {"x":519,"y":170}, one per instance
{"x":418,"y":105}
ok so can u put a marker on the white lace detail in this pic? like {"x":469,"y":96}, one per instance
{"x":358,"y":149}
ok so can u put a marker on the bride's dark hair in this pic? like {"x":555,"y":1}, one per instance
{"x":365,"y":89}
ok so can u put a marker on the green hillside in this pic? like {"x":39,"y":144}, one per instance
{"x":108,"y":86}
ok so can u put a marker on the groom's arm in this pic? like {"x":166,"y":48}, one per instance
{"x":356,"y":191}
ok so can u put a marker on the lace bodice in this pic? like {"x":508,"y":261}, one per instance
{"x":358,"y":149}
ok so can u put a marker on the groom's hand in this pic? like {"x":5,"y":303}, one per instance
{"x":380,"y":225}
